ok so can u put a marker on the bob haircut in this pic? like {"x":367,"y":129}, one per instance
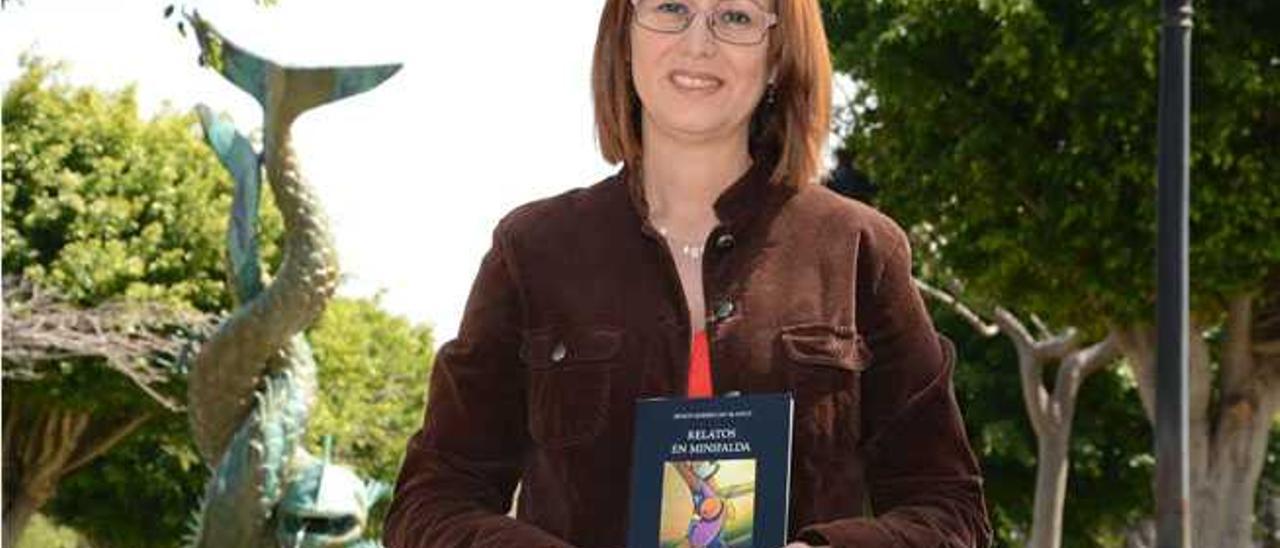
{"x":794,"y":128}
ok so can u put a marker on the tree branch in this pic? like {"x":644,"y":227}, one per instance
{"x":1237,"y":347}
{"x":1041,"y":328}
{"x":130,"y":337}
{"x":91,"y":448}
{"x":1030,"y":369}
{"x":1077,"y":367}
{"x":1057,"y":347}
{"x":1046,"y":412}
{"x":987,"y":330}
{"x":1138,"y":343}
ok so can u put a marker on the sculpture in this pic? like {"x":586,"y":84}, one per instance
{"x":253,"y":382}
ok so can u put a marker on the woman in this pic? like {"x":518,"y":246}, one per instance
{"x":713,"y":238}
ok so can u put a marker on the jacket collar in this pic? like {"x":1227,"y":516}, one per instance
{"x":735,"y":207}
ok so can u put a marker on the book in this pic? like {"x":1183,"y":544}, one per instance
{"x":711,"y":472}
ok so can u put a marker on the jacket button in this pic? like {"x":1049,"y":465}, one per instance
{"x":725,"y":241}
{"x":558,"y":352}
{"x":723,"y":310}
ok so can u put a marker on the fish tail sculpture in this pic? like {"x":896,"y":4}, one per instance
{"x":253,"y":382}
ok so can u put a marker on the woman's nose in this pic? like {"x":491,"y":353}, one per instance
{"x":698,"y":39}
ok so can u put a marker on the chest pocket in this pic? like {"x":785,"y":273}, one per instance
{"x":824,"y":363}
{"x":569,"y":381}
{"x":836,"y":347}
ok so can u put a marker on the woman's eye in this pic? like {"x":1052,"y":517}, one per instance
{"x":673,"y":8}
{"x":735,"y":17}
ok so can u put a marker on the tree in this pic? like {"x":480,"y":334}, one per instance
{"x":1110,"y":459}
{"x":1016,"y":138}
{"x":100,"y":207}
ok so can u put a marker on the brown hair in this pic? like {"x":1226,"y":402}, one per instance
{"x":794,"y":127}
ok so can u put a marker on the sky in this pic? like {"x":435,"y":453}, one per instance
{"x":491,"y":110}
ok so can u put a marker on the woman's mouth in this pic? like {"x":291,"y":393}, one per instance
{"x":694,"y":81}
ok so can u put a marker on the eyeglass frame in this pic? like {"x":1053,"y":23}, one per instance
{"x":770,"y":22}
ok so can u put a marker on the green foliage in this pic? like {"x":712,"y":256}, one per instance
{"x":43,"y":533}
{"x":100,"y":204}
{"x":1018,"y":137}
{"x":373,"y":371}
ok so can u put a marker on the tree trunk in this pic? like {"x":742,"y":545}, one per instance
{"x":1227,"y":492}
{"x":17,"y":513}
{"x":1228,"y":437}
{"x":42,"y":444}
{"x":1051,"y":490}
{"x":37,"y":444}
{"x":1141,"y":534}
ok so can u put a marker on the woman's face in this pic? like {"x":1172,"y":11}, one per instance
{"x":692,"y":85}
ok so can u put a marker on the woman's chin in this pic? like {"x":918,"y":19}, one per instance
{"x":698,"y":127}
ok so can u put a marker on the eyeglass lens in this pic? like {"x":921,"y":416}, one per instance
{"x":734,"y":21}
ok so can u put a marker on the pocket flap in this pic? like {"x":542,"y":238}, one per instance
{"x":552,"y":347}
{"x":827,"y":345}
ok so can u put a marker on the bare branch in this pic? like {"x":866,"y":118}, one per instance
{"x":1014,"y":328}
{"x":89,"y":449}
{"x":1046,"y":412}
{"x":132,"y":338}
{"x":1076,"y":367}
{"x":1030,"y":369}
{"x":1041,"y":328}
{"x":987,"y":330}
{"x":1059,"y":346}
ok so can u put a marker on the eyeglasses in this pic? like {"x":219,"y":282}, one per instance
{"x":741,"y":22}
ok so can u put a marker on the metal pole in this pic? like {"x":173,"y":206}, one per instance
{"x":1173,"y":499}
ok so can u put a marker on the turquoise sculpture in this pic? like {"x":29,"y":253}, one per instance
{"x":253,"y":382}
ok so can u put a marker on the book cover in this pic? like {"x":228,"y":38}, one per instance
{"x":711,"y":472}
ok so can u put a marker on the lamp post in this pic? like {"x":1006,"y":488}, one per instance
{"x":1173,"y":501}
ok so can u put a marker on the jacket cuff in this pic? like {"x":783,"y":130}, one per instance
{"x":848,"y":533}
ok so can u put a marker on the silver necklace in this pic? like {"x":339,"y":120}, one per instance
{"x":692,"y":251}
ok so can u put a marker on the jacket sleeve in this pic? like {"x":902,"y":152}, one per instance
{"x":924,"y":482}
{"x":460,"y":469}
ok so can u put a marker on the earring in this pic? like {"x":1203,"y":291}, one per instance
{"x":769,"y":94}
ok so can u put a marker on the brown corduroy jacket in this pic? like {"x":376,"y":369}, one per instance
{"x":577,"y":311}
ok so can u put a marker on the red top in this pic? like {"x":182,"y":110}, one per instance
{"x":699,"y":367}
